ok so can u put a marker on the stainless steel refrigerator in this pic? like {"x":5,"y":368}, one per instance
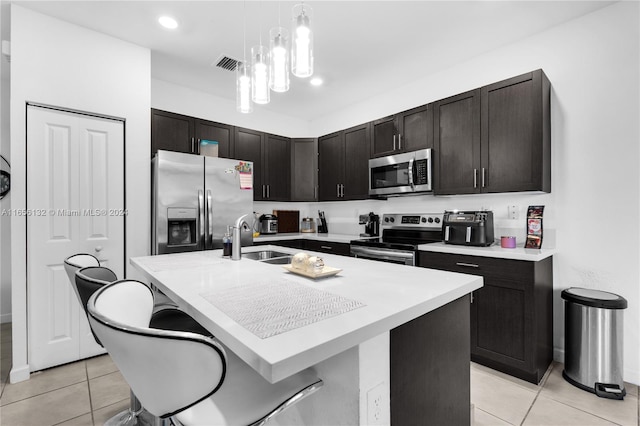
{"x":195,"y":199}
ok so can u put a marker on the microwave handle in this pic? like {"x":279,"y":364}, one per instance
{"x":411,"y":174}
{"x":446,"y":233}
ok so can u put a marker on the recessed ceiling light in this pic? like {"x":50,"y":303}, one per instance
{"x":168,"y":22}
{"x":316,"y":81}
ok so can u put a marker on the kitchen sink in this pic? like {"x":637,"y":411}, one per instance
{"x":266,"y":255}
{"x":278,"y":260}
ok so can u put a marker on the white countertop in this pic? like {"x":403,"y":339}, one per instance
{"x":518,"y":253}
{"x":392,"y":295}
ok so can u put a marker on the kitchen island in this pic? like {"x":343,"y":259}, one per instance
{"x":394,"y":345}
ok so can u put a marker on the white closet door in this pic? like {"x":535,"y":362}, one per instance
{"x":75,"y":202}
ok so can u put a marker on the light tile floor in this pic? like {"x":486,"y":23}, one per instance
{"x":91,"y":391}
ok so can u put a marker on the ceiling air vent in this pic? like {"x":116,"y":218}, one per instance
{"x":226,"y":63}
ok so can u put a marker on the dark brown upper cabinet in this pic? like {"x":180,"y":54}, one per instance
{"x":456,"y":160}
{"x":304,"y":169}
{"x":330,"y":166}
{"x":516,"y":134}
{"x":248,"y":147}
{"x":407,"y":131}
{"x":171,"y":132}
{"x":277,"y":167}
{"x":494,"y":139}
{"x":343,"y":165}
{"x":209,"y":131}
{"x":357,"y":146}
{"x":271,"y":157}
{"x":182,"y":133}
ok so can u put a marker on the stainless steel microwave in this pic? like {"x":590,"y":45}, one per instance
{"x":400,"y":174}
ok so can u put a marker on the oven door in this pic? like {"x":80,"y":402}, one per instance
{"x":402,"y":173}
{"x":403,"y":257}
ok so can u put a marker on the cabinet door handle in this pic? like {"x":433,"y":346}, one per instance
{"x":399,"y":140}
{"x":471,"y":297}
{"x":338,"y":190}
{"x":315,"y":197}
{"x":483,"y":177}
{"x":342,"y":191}
{"x":326,"y":247}
{"x":193,"y":148}
{"x":468,"y":265}
{"x":263,"y":192}
{"x":475,"y":178}
{"x":198,"y":146}
{"x":268,"y":191}
{"x":394,"y":142}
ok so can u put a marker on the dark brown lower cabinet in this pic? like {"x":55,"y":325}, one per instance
{"x":511,"y":315}
{"x":430,"y":368}
{"x":343,"y":249}
{"x":297,"y":244}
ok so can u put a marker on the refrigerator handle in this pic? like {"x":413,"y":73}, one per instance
{"x":210,"y":219}
{"x":202,"y":242}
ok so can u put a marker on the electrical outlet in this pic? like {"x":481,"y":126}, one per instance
{"x":375,"y":401}
{"x":514,"y":212}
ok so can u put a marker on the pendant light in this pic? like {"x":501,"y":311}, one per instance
{"x":302,"y":49}
{"x":243,"y":74}
{"x":260,"y":93}
{"x":279,"y":49}
{"x":243,"y":88}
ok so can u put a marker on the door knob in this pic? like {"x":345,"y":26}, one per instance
{"x":98,"y":249}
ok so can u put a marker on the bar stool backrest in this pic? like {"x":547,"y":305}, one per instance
{"x":169,"y":371}
{"x":76,"y":262}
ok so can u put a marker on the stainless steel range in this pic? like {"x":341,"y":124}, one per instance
{"x":401,"y":236}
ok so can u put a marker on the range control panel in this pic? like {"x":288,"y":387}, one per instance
{"x":418,"y":220}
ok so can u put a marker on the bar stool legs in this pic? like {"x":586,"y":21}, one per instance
{"x":128,"y":417}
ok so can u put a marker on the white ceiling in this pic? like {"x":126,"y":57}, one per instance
{"x":361,"y":47}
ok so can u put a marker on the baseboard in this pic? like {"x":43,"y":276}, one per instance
{"x":558,"y":355}
{"x":19,"y":374}
{"x":5,"y":318}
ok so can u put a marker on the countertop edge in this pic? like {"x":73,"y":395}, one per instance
{"x":495,"y":251}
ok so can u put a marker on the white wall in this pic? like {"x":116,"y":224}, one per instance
{"x":593,"y":65}
{"x":5,"y":204}
{"x":61,"y":64}
{"x":183,"y":100}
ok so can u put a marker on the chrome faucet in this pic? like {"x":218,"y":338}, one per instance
{"x":236,"y":244}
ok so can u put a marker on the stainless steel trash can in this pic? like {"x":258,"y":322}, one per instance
{"x":593,"y":336}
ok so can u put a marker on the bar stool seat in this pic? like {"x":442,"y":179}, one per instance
{"x":186,"y":376}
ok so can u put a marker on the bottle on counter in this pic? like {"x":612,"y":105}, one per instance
{"x":226,"y":243}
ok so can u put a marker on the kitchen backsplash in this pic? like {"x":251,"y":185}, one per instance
{"x":342,"y":216}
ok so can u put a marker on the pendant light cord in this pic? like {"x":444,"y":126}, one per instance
{"x":244,"y":31}
{"x":260,"y":13}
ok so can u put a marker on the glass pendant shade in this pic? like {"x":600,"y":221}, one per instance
{"x":279,"y":49}
{"x":260,"y":93}
{"x":243,"y":88}
{"x":302,"y":44}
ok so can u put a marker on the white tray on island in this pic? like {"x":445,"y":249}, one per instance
{"x":327,"y":271}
